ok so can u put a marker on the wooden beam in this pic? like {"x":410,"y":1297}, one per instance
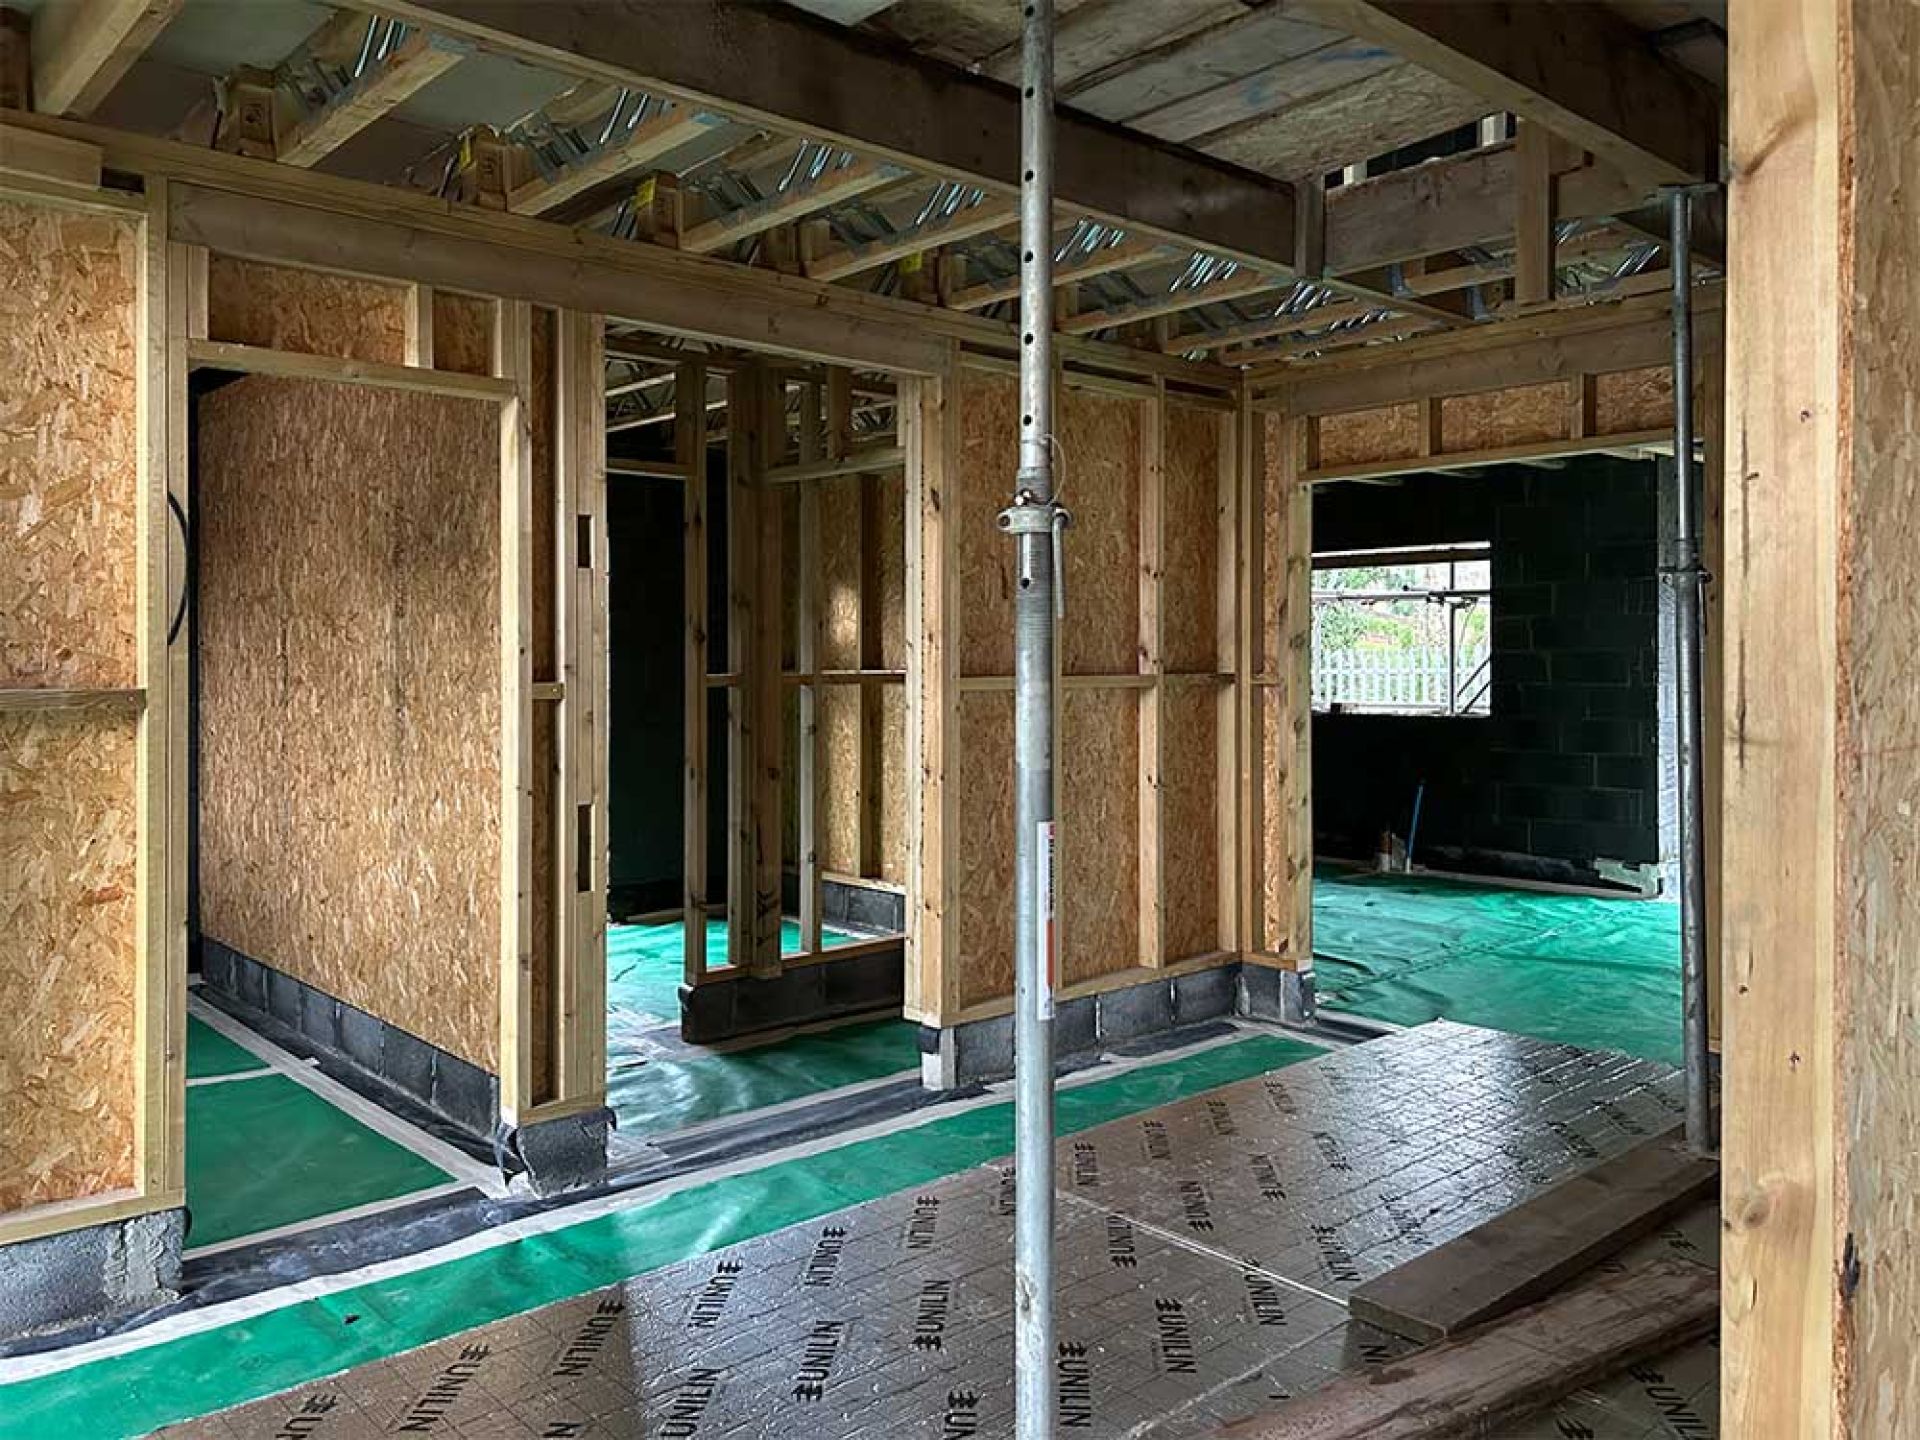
{"x":388,"y":82}
{"x":1533,"y":217}
{"x":1173,"y":302}
{"x":839,"y":263}
{"x":832,"y":186}
{"x":1123,"y":254}
{"x":639,"y":148}
{"x":776,"y":66}
{"x":1578,"y":69}
{"x":82,"y":48}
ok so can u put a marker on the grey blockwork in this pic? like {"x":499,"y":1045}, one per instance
{"x":826,"y":989}
{"x":91,"y":1274}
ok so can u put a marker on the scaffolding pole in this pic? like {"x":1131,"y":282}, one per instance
{"x":1684,"y":574}
{"x":1034,"y":521}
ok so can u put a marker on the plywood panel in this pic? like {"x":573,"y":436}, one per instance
{"x":1191,"y":599}
{"x":462,"y":333}
{"x":306,"y":311}
{"x":838,"y":837}
{"x":989,"y":453}
{"x":69,"y":448}
{"x":1190,"y":811}
{"x":67,"y":952}
{"x":895,"y":800}
{"x":1100,"y":437}
{"x":1097,"y":844}
{"x":1628,"y":400}
{"x":350,"y":716}
{"x":1392,"y":432}
{"x":840,"y":574}
{"x":984,"y":892}
{"x":1493,"y":419}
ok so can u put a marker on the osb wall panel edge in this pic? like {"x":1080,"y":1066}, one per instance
{"x":1097,"y":841}
{"x":1190,"y":810}
{"x":1391,"y":432}
{"x":1100,"y":440}
{"x":68,"y":832}
{"x":350,"y":717}
{"x":1190,"y":595}
{"x":984,"y":886}
{"x":989,"y":452}
{"x":308,"y":312}
{"x":69,"y":447}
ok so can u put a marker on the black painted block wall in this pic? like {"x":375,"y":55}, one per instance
{"x":1565,"y":771}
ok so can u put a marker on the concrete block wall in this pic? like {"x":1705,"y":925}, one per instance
{"x":1565,"y":771}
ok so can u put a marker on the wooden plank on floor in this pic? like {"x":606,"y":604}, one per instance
{"x":1504,"y":1372}
{"x":1538,"y":1246}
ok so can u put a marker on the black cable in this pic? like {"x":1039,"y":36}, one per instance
{"x":186,"y":584}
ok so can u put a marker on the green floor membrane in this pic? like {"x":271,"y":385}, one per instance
{"x":1603,"y":974}
{"x":646,"y":963}
{"x":210,"y":1053}
{"x":664,"y":1092}
{"x":656,"y":1088}
{"x":266,"y":1152}
{"x":129,"y":1394}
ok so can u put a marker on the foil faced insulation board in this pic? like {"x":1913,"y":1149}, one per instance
{"x":1205,"y":1253}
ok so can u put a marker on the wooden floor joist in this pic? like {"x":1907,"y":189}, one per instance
{"x":1504,"y":1372}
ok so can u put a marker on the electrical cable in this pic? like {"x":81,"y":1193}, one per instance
{"x":186,"y":585}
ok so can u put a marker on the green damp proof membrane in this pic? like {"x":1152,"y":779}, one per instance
{"x":211,"y":1054}
{"x":1603,"y":974}
{"x":646,"y":963}
{"x":194,"y":1374}
{"x":265,"y":1152}
{"x":668,"y":1091}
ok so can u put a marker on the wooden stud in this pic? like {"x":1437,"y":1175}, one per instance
{"x":513,"y":362}
{"x":690,"y":453}
{"x":930,"y":430}
{"x":763,"y":685}
{"x":807,"y":620}
{"x":1226,"y":651}
{"x":1250,"y":637}
{"x":1290,"y":829}
{"x":1153,"y":908}
{"x":658,"y":209}
{"x":1533,"y":216}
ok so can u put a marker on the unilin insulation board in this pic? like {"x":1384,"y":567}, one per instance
{"x":1190,"y":600}
{"x":306,"y":311}
{"x":989,"y":452}
{"x":1494,"y":419}
{"x":463,"y":333}
{"x":1097,"y":846}
{"x":69,"y":448}
{"x":1628,"y":400}
{"x":350,"y":711}
{"x":1189,"y":810}
{"x":67,"y":954}
{"x":985,"y":883}
{"x":1100,"y":440}
{"x":1391,"y":432}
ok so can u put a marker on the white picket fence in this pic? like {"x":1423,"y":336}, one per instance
{"x":1393,"y":680}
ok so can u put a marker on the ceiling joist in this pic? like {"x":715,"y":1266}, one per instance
{"x":386,"y":65}
{"x":630,"y":148}
{"x":942,"y":228}
{"x":1113,"y":254}
{"x":82,"y":48}
{"x":838,"y":179}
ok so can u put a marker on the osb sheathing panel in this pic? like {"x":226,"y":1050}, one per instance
{"x":306,"y":311}
{"x":989,"y":453}
{"x":1493,"y":419}
{"x":350,"y":715}
{"x":68,"y":918}
{"x":1189,"y":809}
{"x":1100,"y":436}
{"x":69,"y":448}
{"x":837,"y":831}
{"x":984,"y":888}
{"x":840,"y":573}
{"x":894,"y":810}
{"x":891,"y":511}
{"x":1098,"y":838}
{"x":1628,"y":400}
{"x":463,"y":333}
{"x":1190,"y":599}
{"x":1389,"y":433}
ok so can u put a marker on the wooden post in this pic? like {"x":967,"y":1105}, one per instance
{"x":1250,"y":659}
{"x":1226,"y":661}
{"x":513,"y":360}
{"x":690,"y":452}
{"x":1287,"y":805}
{"x":1533,"y":215}
{"x":806,"y":658}
{"x":930,"y":433}
{"x":1153,"y":510}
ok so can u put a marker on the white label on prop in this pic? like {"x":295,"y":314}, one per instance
{"x":1047,"y":941}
